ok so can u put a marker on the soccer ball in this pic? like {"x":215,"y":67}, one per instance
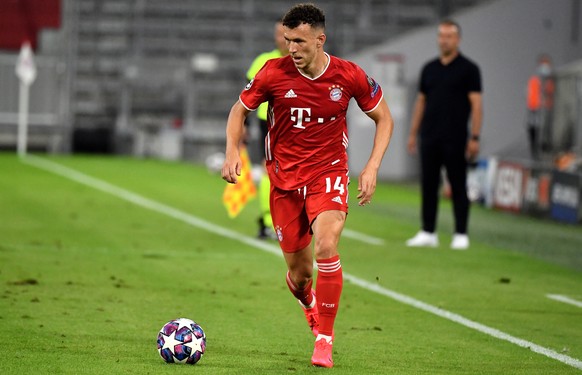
{"x":214,"y":162}
{"x":181,"y":341}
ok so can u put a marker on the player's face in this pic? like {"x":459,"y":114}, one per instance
{"x":304,"y":42}
{"x":279,"y":35}
{"x":448,"y":39}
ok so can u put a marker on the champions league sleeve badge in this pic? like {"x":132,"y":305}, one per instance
{"x":374,"y":85}
{"x":248,"y":86}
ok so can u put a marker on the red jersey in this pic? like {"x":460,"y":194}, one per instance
{"x":307,"y":116}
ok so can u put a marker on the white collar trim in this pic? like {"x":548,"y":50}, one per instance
{"x":320,"y":74}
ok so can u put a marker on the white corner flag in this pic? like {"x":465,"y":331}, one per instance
{"x":26,"y":72}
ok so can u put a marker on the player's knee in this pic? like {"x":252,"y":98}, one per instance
{"x":326,"y":247}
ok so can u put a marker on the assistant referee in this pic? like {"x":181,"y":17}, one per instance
{"x":265,"y":220}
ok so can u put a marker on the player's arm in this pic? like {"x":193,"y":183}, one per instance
{"x":384,"y":127}
{"x":417,"y":114}
{"x":476,"y":101}
{"x":234,"y":135}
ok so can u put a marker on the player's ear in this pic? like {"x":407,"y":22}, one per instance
{"x":321,"y":38}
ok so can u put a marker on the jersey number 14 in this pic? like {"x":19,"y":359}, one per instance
{"x":338,"y":185}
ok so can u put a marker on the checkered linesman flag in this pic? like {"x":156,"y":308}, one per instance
{"x":236,"y":196}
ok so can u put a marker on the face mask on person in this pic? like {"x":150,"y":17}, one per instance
{"x":544,"y":70}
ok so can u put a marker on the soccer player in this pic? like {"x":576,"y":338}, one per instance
{"x":308,"y":93}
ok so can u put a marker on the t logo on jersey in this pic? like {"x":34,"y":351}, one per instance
{"x":297,"y":116}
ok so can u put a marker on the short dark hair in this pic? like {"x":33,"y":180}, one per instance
{"x":450,"y":22}
{"x":304,"y":13}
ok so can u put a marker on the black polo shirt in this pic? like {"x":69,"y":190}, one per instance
{"x":446,"y":88}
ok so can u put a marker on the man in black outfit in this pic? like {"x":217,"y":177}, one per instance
{"x":449,"y":93}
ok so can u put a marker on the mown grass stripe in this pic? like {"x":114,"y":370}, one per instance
{"x":142,"y":201}
{"x":370,"y":240}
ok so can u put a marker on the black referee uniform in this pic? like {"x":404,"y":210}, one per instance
{"x":444,"y":134}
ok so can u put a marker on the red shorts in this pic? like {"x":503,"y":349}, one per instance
{"x":294,"y":211}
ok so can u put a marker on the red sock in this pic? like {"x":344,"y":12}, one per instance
{"x":304,"y":295}
{"x":329,"y":288}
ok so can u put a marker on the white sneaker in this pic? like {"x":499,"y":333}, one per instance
{"x":460,"y":242}
{"x":423,"y":239}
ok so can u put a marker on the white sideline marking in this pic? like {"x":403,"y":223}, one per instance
{"x":561,"y":298}
{"x":362,"y":237}
{"x":139,"y":200}
{"x":200,"y":223}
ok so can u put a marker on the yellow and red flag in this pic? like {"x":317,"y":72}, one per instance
{"x":236,"y":196}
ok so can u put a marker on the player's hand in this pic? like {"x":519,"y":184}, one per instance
{"x":231,"y":168}
{"x":366,"y":186}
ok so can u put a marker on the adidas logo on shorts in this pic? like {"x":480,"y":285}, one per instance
{"x":337,"y":199}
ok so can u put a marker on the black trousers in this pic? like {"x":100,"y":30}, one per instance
{"x":433,"y":156}
{"x":533,"y":142}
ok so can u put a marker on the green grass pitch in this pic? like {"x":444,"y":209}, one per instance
{"x":87,"y":279}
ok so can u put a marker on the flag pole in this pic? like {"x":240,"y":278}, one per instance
{"x":26,"y":72}
{"x":23,"y":119}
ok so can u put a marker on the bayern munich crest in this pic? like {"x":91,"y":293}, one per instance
{"x":279,"y":233}
{"x":335,"y":93}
